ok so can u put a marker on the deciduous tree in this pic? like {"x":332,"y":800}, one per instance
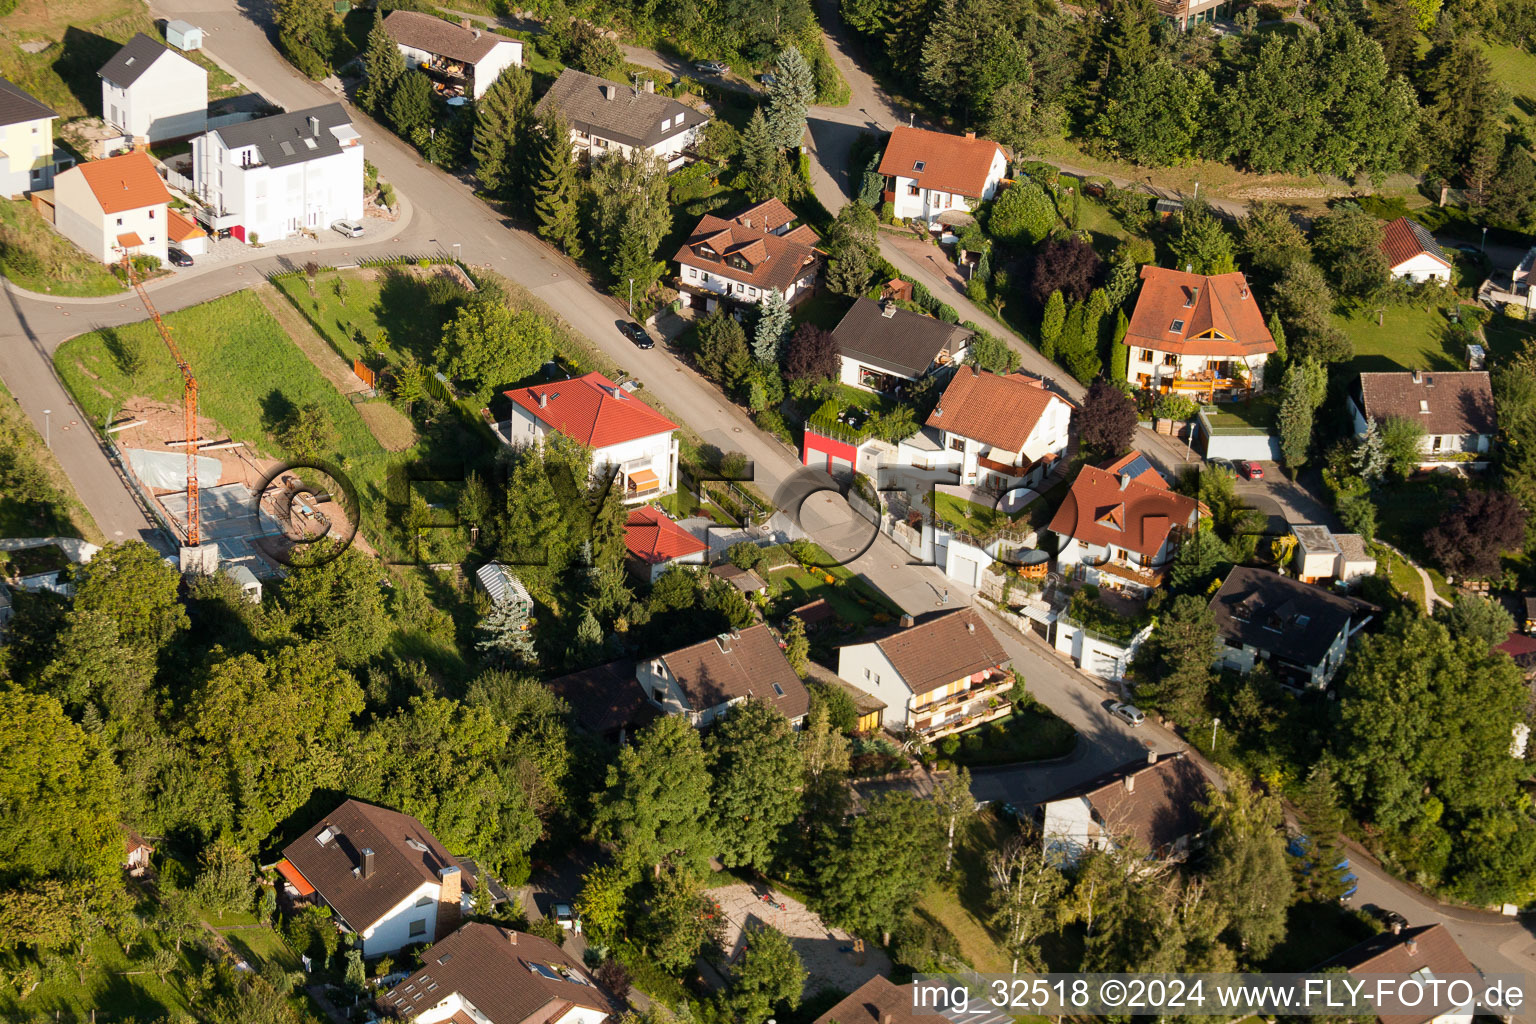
{"x":770,"y":974}
{"x":127,"y":582}
{"x":1067,"y":265}
{"x":1472,"y":537}
{"x":1245,"y":866}
{"x":811,"y":354}
{"x":656,"y":807}
{"x":1108,"y":419}
{"x":889,"y":856}
{"x":337,"y":602}
{"x":1022,"y":214}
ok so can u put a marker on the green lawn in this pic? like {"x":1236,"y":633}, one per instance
{"x":1257,"y":414}
{"x":38,"y":258}
{"x":1515,"y":70}
{"x":117,"y":987}
{"x":1404,"y":579}
{"x":83,"y":35}
{"x":36,"y":498}
{"x":1407,"y":338}
{"x":1034,"y":734}
{"x":976,"y":519}
{"x":824,"y":309}
{"x":855,"y":602}
{"x":1406,"y":511}
{"x":1505,"y":337}
{"x":393,"y":311}
{"x":250,"y":375}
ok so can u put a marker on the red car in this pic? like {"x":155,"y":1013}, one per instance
{"x":1249,"y":470}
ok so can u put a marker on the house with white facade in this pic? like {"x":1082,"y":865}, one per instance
{"x":1425,"y":953}
{"x":1150,"y":806}
{"x":654,"y":543}
{"x":1000,"y":431}
{"x":1302,"y":631}
{"x":1199,"y":334}
{"x":113,"y":206}
{"x":606,"y":117}
{"x":26,"y":142}
{"x":885,"y":348}
{"x":1120,"y":525}
{"x":704,"y":680}
{"x":152,"y":93}
{"x":943,"y":675}
{"x":1413,"y":254}
{"x":742,"y":259}
{"x":487,"y":974}
{"x":1454,"y":410}
{"x":270,"y":178}
{"x":460,"y":59}
{"x":626,"y":436}
{"x":385,"y":877}
{"x":940,"y":178}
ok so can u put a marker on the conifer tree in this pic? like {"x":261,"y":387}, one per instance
{"x":502,"y":116}
{"x":1119,"y":351}
{"x":1051,"y":324}
{"x":793,"y":90}
{"x":773,"y":325}
{"x":383,"y":63}
{"x":554,"y":187}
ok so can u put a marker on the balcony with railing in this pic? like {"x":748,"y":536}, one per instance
{"x":995,"y":682}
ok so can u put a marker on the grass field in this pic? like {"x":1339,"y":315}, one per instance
{"x":855,"y":602}
{"x":38,"y":258}
{"x":394,"y":312}
{"x":1515,"y":70}
{"x":36,"y":497}
{"x":117,"y":987}
{"x":82,"y":36}
{"x":1407,"y":338}
{"x":1033,"y":734}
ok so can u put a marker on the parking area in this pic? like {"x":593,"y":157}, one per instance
{"x":832,"y":957}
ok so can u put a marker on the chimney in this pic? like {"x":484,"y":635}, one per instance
{"x":1151,"y":756}
{"x":650,"y":85}
{"x":1418,"y":377}
{"x":314,"y":126}
{"x":970,"y":627}
{"x":543,"y":399}
{"x":1397,"y":928}
{"x":970,"y":135}
{"x":906,"y":622}
{"x":367,"y":862}
{"x":886,"y":1017}
{"x":724,"y":640}
{"x":888,"y":309}
{"x":607,"y":91}
{"x":1412,"y":945}
{"x":465,"y":23}
{"x":1130,"y":783}
{"x":448,"y":910}
{"x":512,"y":935}
{"x":1243,"y":294}
{"x":1194,"y":295}
{"x":477,"y":33}
{"x":1125,"y":480}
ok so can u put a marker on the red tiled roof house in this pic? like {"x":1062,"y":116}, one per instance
{"x":1121,"y":525}
{"x":626,"y":435}
{"x":384,"y":876}
{"x":940,"y":178}
{"x":109,"y":207}
{"x":742,"y":259}
{"x":1197,"y":333}
{"x":655,"y":543}
{"x":1413,"y":254}
{"x":943,"y":675}
{"x":1000,"y":432}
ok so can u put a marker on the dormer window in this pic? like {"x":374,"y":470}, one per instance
{"x":1178,"y":325}
{"x":919,"y":165}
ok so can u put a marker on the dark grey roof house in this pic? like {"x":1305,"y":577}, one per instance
{"x":1301,"y":630}
{"x":607,"y":117}
{"x":149,"y":91}
{"x":882,"y":345}
{"x":292,"y":137}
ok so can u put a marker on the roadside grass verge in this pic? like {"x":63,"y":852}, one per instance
{"x":36,"y":497}
{"x":36,"y":257}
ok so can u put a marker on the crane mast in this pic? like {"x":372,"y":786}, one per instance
{"x":188,"y":404}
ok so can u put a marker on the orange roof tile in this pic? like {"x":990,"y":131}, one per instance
{"x":1104,"y":509}
{"x":769,"y":260}
{"x":180,"y":228}
{"x":1404,"y":239}
{"x":1197,"y":314}
{"x":651,"y":536}
{"x":991,"y":408}
{"x":129,"y":240}
{"x":127,"y":182}
{"x":593,"y":410}
{"x":950,"y":163}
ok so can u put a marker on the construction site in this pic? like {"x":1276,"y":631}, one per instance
{"x":224,"y":504}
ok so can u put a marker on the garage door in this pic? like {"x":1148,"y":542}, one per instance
{"x":839,"y":467}
{"x":965,"y":570}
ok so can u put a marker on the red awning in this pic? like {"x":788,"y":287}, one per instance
{"x":295,"y":879}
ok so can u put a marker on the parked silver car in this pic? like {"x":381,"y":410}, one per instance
{"x":349,"y":228}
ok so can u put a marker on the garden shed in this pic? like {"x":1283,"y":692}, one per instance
{"x":183,"y":35}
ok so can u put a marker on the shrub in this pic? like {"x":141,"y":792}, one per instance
{"x":772,"y":421}
{"x":949,"y":746}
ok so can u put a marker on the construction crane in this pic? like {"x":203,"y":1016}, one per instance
{"x":188,"y":404}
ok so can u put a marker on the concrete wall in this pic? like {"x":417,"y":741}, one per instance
{"x":1096,"y":655}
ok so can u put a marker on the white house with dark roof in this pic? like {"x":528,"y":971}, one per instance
{"x":272,"y":177}
{"x":459,"y":58}
{"x":606,"y":117}
{"x":385,"y":877}
{"x":486,"y":974}
{"x":1151,"y":806}
{"x":154,"y":93}
{"x":1301,"y":630}
{"x":1454,"y":409}
{"x":883,"y":347}
{"x":26,"y":142}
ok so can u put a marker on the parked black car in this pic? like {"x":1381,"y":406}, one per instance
{"x":177,"y":257}
{"x":637,"y":334}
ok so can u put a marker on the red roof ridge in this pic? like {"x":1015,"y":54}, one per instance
{"x":591,"y":409}
{"x":652,"y":536}
{"x":950,"y":163}
{"x":125,"y":182}
{"x":1200,"y":305}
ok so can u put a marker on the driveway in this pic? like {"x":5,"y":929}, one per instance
{"x":831,"y":957}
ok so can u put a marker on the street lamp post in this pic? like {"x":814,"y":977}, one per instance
{"x":631,"y":298}
{"x":48,"y":427}
{"x":1197,"y":190}
{"x":1214,"y":723}
{"x":1483,"y":248}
